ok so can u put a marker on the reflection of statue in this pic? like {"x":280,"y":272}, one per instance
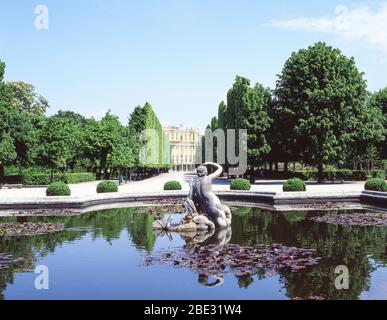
{"x":205,"y":200}
{"x":217,"y":240}
{"x":201,"y":253}
{"x":204,"y":281}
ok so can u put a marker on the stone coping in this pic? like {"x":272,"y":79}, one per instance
{"x":267,"y":199}
{"x":373,"y":197}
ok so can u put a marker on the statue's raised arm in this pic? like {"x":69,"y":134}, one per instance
{"x":218,"y":171}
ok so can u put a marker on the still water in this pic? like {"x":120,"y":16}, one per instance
{"x":100,"y":255}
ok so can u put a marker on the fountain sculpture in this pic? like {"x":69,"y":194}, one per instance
{"x":203,"y":210}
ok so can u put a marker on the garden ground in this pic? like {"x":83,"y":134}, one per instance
{"x":156,"y":184}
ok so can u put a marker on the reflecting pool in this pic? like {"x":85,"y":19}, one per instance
{"x":100,"y":256}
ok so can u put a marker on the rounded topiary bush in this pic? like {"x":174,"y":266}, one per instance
{"x":172,"y":185}
{"x":240,"y":184}
{"x":107,"y":187}
{"x":376,"y":184}
{"x":58,"y":189}
{"x":294,"y":185}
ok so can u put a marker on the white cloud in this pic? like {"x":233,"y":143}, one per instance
{"x":365,"y":24}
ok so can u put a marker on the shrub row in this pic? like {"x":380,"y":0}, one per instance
{"x":339,"y":174}
{"x":292,"y":185}
{"x":78,"y":177}
{"x":60,"y":188}
{"x":68,"y":177}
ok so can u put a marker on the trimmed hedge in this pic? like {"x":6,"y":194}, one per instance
{"x":58,"y":189}
{"x":78,"y":177}
{"x":34,"y":178}
{"x":376,"y":184}
{"x":240,"y":184}
{"x":172,"y":185}
{"x":107,"y":187}
{"x":329,"y":174}
{"x":294,"y":185}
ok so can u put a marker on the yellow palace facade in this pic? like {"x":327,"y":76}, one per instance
{"x":185,"y":144}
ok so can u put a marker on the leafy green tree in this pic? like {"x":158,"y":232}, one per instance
{"x":77,"y":124}
{"x":54,"y":139}
{"x":222,"y":124}
{"x":71,"y":117}
{"x":14,"y":126}
{"x":320,"y":95}
{"x":214,"y":123}
{"x":282,"y":147}
{"x":369,"y":134}
{"x":7,"y":150}
{"x":222,"y":120}
{"x":247,"y":108}
{"x":137,"y":123}
{"x":379,"y":99}
{"x":213,"y":126}
{"x":121,"y":156}
{"x":26,"y":98}
{"x":100,"y":137}
{"x":144,"y":119}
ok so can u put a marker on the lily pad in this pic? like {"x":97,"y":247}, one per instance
{"x":235,"y":259}
{"x":14,"y":229}
{"x":354,"y":219}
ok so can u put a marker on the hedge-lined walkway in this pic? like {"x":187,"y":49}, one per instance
{"x":156,"y":184}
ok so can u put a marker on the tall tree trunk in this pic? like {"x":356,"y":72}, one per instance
{"x":276,"y":167}
{"x":52,"y":175}
{"x":2,"y":175}
{"x":252,"y":176}
{"x":286,"y":164}
{"x":102,"y":166}
{"x":320,"y":169}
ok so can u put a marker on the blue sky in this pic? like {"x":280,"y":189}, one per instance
{"x":181,"y":56}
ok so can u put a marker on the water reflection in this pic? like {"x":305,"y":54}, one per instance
{"x":217,"y":240}
{"x":355,"y":247}
{"x":362,"y":249}
{"x":105,"y":224}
